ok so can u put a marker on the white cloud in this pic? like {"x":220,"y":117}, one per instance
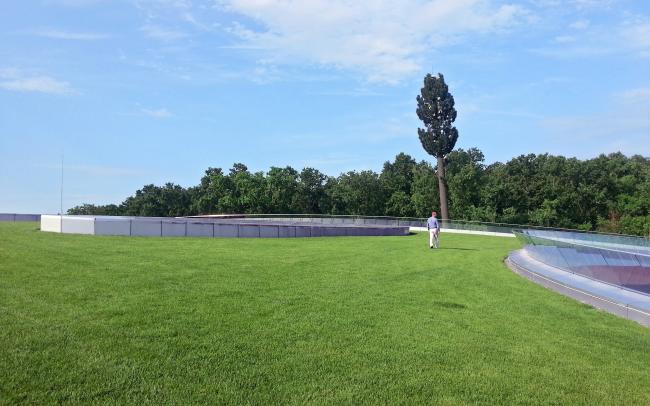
{"x":161,"y":33}
{"x":583,"y":4}
{"x":637,"y":95}
{"x":67,"y":35}
{"x":189,"y":18}
{"x":636,"y":35}
{"x":157,"y":113}
{"x":629,"y":37}
{"x":576,"y":50}
{"x":601,"y":132}
{"x":348,"y":92}
{"x":577,"y":4}
{"x":178,"y":4}
{"x":74,"y":3}
{"x":580,"y":25}
{"x":42,"y":84}
{"x":563,"y":39}
{"x":385,"y":41}
{"x":623,"y":127}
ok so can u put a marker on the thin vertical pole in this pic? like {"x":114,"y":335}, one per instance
{"x":61,"y":197}
{"x":61,"y":202}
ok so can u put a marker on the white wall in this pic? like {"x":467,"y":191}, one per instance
{"x":51,"y":223}
{"x":78,"y":225}
{"x":459,"y":231}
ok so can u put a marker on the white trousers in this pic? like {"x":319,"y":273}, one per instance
{"x":433,"y":237}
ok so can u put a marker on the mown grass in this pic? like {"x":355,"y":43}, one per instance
{"x":88,"y":319}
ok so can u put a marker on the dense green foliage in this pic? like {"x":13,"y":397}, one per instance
{"x":607,"y":193}
{"x":350,"y":320}
{"x":435,"y":107}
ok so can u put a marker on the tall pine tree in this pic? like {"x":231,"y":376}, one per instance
{"x":438,"y":138}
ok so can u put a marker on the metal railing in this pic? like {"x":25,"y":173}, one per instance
{"x":421,"y":222}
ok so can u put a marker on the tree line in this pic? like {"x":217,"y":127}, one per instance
{"x":608,"y":193}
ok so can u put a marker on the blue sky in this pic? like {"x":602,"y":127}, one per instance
{"x":148,"y":91}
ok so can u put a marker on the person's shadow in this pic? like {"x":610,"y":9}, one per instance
{"x":450,"y":305}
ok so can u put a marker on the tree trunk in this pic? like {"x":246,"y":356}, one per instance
{"x":442,"y":186}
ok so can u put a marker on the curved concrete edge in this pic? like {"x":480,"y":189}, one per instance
{"x":606,"y":304}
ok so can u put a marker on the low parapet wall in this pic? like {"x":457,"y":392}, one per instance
{"x":208,"y":227}
{"x":417,"y":225}
{"x":19,"y":217}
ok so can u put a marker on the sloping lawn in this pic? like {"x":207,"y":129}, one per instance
{"x":89,"y":319}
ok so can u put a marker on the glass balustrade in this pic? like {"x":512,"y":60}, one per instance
{"x":619,"y":260}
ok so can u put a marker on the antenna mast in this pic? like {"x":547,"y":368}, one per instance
{"x":61,"y":202}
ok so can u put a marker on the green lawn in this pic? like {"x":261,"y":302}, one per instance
{"x":87,"y":319}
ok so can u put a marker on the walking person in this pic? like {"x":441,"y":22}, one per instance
{"x":434,"y":229}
